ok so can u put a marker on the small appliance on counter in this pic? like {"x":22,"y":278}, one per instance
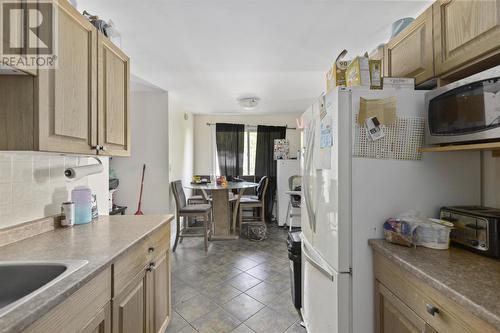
{"x":475,"y":228}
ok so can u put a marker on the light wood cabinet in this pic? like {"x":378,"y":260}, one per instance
{"x":114,"y":115}
{"x":161,"y":293}
{"x":130,"y":307}
{"x":67,"y":96}
{"x":132,"y":296}
{"x":403,"y":303}
{"x":87,"y":310}
{"x":465,"y":32}
{"x":101,"y":323}
{"x":17,"y":35}
{"x":80,"y":106}
{"x":410,"y":53}
{"x":393,"y":316}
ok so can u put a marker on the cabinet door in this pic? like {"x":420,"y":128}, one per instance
{"x":393,"y":316}
{"x":410,"y":54}
{"x":101,"y":323}
{"x":129,"y":308}
{"x":67,"y":101}
{"x":161,"y":303}
{"x":465,"y":31}
{"x":114,"y":117}
{"x":15,"y":39}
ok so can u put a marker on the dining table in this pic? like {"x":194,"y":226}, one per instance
{"x":224,"y":221}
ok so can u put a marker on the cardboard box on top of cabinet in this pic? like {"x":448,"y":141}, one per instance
{"x":336,"y":75}
{"x":358,"y":72}
{"x":375,"y":73}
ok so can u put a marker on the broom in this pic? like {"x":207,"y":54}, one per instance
{"x":139,"y":211}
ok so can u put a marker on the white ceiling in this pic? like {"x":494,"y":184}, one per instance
{"x":211,"y":52}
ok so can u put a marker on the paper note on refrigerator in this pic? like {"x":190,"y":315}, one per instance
{"x":384,"y":109}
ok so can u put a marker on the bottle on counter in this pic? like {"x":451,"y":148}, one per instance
{"x":82,"y":197}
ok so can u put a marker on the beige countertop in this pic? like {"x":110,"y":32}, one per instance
{"x":99,"y":242}
{"x":467,"y":278}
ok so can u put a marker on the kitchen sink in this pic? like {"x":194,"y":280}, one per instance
{"x":20,"y":281}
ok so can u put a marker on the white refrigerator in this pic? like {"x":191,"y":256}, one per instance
{"x":346,"y":199}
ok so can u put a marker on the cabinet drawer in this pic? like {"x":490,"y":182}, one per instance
{"x":419,"y":297}
{"x":79,"y":309}
{"x":159,"y":242}
{"x":137,"y":258}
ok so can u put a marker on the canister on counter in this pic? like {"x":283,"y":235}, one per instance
{"x":68,"y":212}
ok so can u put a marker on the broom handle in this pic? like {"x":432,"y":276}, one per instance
{"x":142,"y":185}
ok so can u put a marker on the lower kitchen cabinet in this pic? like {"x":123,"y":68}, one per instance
{"x":405,"y":304}
{"x":161,"y":298}
{"x":129,"y":308}
{"x":132,"y":296}
{"x":393,"y":316}
{"x":101,"y":323}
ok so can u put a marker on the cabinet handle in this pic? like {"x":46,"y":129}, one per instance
{"x":103,"y":148}
{"x":150,"y":267}
{"x":151,"y":249}
{"x":431,"y":309}
{"x":96,"y":148}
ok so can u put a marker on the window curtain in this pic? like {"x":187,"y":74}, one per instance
{"x":265,"y":165}
{"x":230,"y":148}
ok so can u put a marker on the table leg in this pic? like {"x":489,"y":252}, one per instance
{"x":236,"y":209}
{"x":220,"y":208}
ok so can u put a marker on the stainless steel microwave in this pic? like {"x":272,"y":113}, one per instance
{"x":465,"y":111}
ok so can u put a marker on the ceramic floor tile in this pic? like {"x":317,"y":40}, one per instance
{"x":269,"y":321}
{"x":262,"y":272}
{"x":195,"y":307}
{"x":243,"y":307}
{"x":242,"y":329}
{"x":218,"y":321}
{"x":222,"y":293}
{"x":284,"y":305}
{"x":182,"y":293}
{"x":263,"y":292}
{"x":296,"y":328}
{"x":207,"y":286}
{"x":244,"y":281}
{"x":176,"y":324}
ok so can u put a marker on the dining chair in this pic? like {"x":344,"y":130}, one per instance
{"x":258,"y":202}
{"x":185,"y":211}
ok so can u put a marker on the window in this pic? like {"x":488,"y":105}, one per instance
{"x":250,"y":151}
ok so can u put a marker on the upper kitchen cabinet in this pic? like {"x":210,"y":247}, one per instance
{"x":465,"y":32}
{"x":114,"y":115}
{"x":67,"y":102}
{"x":15,"y":41}
{"x":81,"y":106}
{"x":410,"y":53}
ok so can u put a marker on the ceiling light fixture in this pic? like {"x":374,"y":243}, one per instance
{"x":248,"y":103}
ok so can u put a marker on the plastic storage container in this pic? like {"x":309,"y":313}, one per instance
{"x":82,"y":197}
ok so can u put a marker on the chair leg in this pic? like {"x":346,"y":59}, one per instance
{"x":183,"y":225}
{"x":205,"y":233}
{"x":177,"y":233}
{"x":240,"y":219}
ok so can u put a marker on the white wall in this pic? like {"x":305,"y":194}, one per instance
{"x":202,"y":137}
{"x":33,"y":185}
{"x":490,"y":180}
{"x":149,"y":132}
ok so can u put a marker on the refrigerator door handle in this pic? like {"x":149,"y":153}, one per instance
{"x":314,"y":263}
{"x":307,"y":164}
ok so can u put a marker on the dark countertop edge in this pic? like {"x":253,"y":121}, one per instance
{"x":476,"y":309}
{"x":53,"y":302}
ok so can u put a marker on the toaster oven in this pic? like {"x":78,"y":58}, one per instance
{"x":475,"y":228}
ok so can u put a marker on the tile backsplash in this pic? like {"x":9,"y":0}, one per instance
{"x":33,"y":185}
